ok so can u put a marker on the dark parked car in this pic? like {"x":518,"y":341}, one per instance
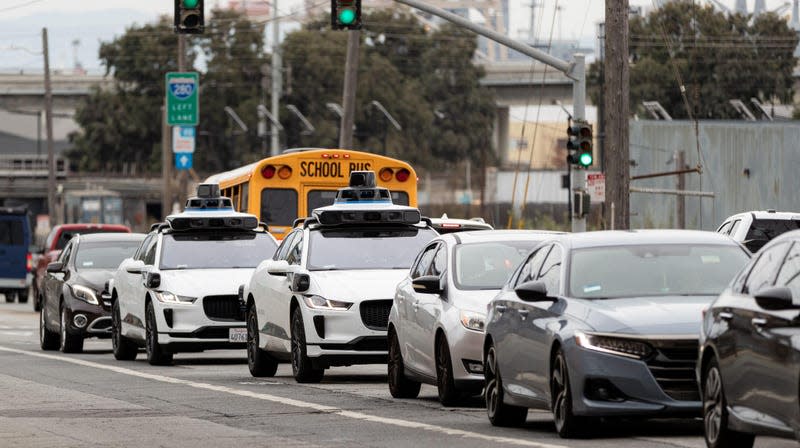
{"x":749,"y":368}
{"x":604,"y":324}
{"x":72,"y":307}
{"x":15,"y":257}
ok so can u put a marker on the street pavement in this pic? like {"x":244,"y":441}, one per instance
{"x":49,"y":399}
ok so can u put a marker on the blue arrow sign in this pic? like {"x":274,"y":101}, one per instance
{"x":183,"y":160}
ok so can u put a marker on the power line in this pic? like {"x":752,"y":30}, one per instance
{"x":20,"y":5}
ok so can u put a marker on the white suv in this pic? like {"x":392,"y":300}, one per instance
{"x":754,"y":229}
{"x":179,"y":291}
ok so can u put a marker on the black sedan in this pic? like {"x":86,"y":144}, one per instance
{"x":749,"y":360}
{"x":604,"y":324}
{"x":72,"y":307}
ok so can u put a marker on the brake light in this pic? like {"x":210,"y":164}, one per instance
{"x":268,"y":172}
{"x":285,"y":172}
{"x":29,"y":262}
{"x":451,"y":226}
{"x":386,"y":174}
{"x":402,"y":175}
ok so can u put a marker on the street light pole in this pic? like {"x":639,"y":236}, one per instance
{"x":349,"y":94}
{"x":48,"y":113}
{"x":277,"y":80}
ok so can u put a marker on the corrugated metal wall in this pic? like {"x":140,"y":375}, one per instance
{"x":748,"y":165}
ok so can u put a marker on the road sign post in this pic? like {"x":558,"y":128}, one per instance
{"x":183,"y":107}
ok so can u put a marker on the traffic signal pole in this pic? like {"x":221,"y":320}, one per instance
{"x":574,"y":70}
{"x":349,"y":94}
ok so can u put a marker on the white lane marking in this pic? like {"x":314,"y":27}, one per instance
{"x":289,"y":401}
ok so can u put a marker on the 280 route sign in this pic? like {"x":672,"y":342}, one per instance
{"x":183,"y":98}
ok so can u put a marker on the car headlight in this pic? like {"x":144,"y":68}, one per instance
{"x":321,"y":303}
{"x":627,"y":347}
{"x":168,"y":297}
{"x":85,"y":294}
{"x":473,"y":321}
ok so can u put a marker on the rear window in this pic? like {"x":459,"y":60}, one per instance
{"x":278,"y":206}
{"x":67,"y":235}
{"x":12,"y":232}
{"x":767,"y":229}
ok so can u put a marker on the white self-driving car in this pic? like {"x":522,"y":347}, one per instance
{"x":179,"y":291}
{"x":324,"y":298}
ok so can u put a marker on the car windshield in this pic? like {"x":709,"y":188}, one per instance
{"x":216,"y":250}
{"x":373,"y":248}
{"x":104,"y":255}
{"x":767,"y":229}
{"x":653,"y":270}
{"x":488,"y":265}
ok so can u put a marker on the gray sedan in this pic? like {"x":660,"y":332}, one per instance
{"x":604,"y":324}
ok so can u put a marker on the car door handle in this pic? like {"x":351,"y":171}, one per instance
{"x":758,"y":321}
{"x":500,"y":308}
{"x":725,"y":315}
{"x":523,"y":314}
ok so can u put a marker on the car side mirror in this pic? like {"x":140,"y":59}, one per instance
{"x":135,"y":267}
{"x":301,"y":282}
{"x":151,"y":280}
{"x":427,"y":284}
{"x":55,"y":267}
{"x":776,"y":298}
{"x":278,"y":267}
{"x":533,"y":292}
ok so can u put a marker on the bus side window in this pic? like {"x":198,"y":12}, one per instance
{"x":235,"y":197}
{"x":245,"y":191}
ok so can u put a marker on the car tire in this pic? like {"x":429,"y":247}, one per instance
{"x":715,"y":413}
{"x":10,"y":296}
{"x":449,"y":395}
{"x":500,"y":413}
{"x":22,"y":295}
{"x":260,"y":363}
{"x":123,"y":348}
{"x":70,"y":342}
{"x":48,"y":340}
{"x":400,"y":386}
{"x":302,"y":367}
{"x":568,"y":425}
{"x":156,"y":355}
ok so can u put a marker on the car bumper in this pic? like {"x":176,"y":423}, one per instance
{"x":466,"y":354}
{"x":341,"y":338}
{"x":16,"y":283}
{"x":185,"y":327}
{"x":95,"y":319}
{"x":632,"y":388}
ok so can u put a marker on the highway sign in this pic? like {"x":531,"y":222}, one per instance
{"x":183,"y":98}
{"x":183,"y":139}
{"x":183,"y":160}
{"x":596,"y":186}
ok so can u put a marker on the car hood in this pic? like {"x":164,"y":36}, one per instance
{"x":204,"y":282}
{"x":663,"y":315}
{"x":477,"y":301}
{"x":357,"y":285}
{"x":93,"y":278}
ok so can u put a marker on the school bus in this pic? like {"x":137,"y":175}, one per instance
{"x":281,"y":188}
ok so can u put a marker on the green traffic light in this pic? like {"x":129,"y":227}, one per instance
{"x":347,"y":16}
{"x":585,"y":159}
{"x":190,"y":3}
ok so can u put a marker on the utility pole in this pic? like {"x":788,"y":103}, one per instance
{"x":277,"y":81}
{"x":616,"y":154}
{"x":48,"y":114}
{"x":166,"y":164}
{"x":349,"y":94}
{"x":680,"y":164}
{"x":183,"y":182}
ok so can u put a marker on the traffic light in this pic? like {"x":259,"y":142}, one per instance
{"x":579,"y":143}
{"x":189,"y":17}
{"x":346,"y":14}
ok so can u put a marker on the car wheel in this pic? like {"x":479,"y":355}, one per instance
{"x":48,"y":340}
{"x":9,"y":296}
{"x":156,"y":355}
{"x":302,"y":368}
{"x":124,"y":349}
{"x":715,"y":414}
{"x":70,"y":342}
{"x":448,"y":394}
{"x":500,"y":413}
{"x":400,"y":386}
{"x":568,"y":425}
{"x":22,"y":295}
{"x":259,"y":362}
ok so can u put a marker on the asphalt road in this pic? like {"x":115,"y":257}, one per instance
{"x":48,"y":399}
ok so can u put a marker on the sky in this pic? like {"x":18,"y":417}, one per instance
{"x":92,"y":21}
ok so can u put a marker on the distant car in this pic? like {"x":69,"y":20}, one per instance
{"x":15,"y":256}
{"x":604,"y":324}
{"x":437,"y":320}
{"x":72,"y":307}
{"x":445,"y":224}
{"x":55,"y":242}
{"x":749,"y":360}
{"x":755,"y":229}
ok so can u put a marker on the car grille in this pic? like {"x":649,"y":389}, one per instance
{"x":673,"y":366}
{"x":375,"y":314}
{"x":225,"y":308}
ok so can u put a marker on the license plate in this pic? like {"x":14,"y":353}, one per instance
{"x":237,"y":335}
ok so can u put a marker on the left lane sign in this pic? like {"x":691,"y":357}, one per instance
{"x":183,"y":98}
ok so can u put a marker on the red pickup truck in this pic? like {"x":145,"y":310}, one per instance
{"x":56,"y":241}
